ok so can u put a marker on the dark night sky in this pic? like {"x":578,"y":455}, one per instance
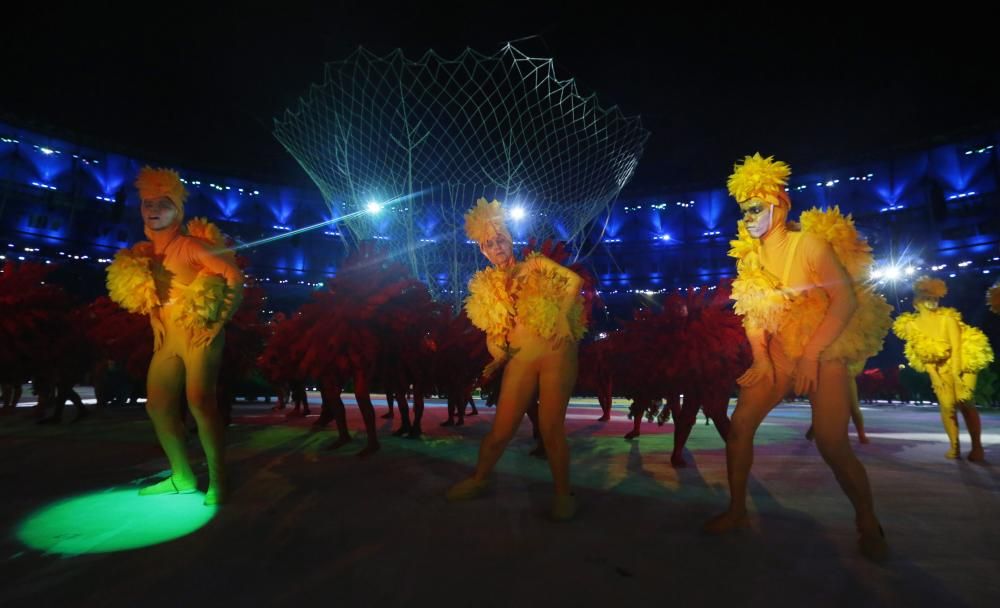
{"x":200,"y":88}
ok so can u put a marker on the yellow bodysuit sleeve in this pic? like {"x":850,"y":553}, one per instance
{"x":830,"y":276}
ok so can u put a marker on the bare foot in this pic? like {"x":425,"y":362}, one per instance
{"x":726,"y":522}
{"x":216,"y":494}
{"x":368,"y":450}
{"x":323,"y":420}
{"x":977,"y":455}
{"x":467,"y":489}
{"x":340,"y":442}
{"x":604,"y":418}
{"x":677,"y":461}
{"x":872,"y":544}
{"x":171,"y":485}
{"x":629,"y":436}
{"x":563,"y":508}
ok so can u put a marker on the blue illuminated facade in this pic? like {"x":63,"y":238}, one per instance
{"x":935,"y":210}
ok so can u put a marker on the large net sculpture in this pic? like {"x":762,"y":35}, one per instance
{"x":402,"y":148}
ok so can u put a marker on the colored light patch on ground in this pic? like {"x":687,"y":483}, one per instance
{"x":113,"y":520}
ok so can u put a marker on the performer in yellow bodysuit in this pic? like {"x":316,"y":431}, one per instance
{"x":938,"y":342}
{"x":532,"y":314}
{"x":190,"y":286}
{"x":807,"y":317}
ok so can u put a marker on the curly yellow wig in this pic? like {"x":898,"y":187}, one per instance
{"x":485,"y":219}
{"x":927,"y":288}
{"x":156,"y":183}
{"x":760,"y":177}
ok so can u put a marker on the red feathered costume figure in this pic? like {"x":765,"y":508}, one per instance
{"x":123,"y":342}
{"x":245,"y":338}
{"x":38,"y":338}
{"x":459,"y":356}
{"x":715,"y":352}
{"x":366,"y":299}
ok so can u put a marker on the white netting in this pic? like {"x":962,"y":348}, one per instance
{"x":442,"y":133}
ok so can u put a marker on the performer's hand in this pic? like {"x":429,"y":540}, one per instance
{"x":563,"y":335}
{"x":761,"y":370}
{"x":491,"y":368}
{"x":497,"y":364}
{"x":202,"y":337}
{"x":806,"y":375}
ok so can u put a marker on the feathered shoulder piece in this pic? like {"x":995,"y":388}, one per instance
{"x":838,"y":230}
{"x":976,"y":350}
{"x":204,"y":302}
{"x":130,"y":279}
{"x":757,"y":294}
{"x":138,"y":284}
{"x":541,"y":288}
{"x":206,"y":231}
{"x":490,"y":303}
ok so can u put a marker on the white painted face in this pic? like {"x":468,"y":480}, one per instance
{"x":758,"y":216}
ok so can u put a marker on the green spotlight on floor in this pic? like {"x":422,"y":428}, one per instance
{"x":113,"y":520}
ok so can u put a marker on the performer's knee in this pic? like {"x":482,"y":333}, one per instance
{"x":551,"y":429}
{"x":201,"y":400}
{"x":498,"y":438}
{"x":741,"y":426}
{"x":832,"y":446}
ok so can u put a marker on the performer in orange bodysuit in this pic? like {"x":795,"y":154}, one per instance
{"x":190,"y":286}
{"x":807,"y":316}
{"x":532,"y":314}
{"x":938,"y":342}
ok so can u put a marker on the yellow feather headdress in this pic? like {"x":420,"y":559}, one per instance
{"x":927,"y":288}
{"x":761,"y":177}
{"x":485,"y":219}
{"x":156,"y":183}
{"x":993,"y":298}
